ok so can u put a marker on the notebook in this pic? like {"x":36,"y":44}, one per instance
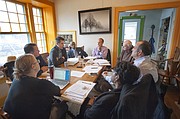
{"x":61,"y":77}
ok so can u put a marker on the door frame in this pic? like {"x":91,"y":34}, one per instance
{"x":175,"y":35}
{"x":141,"y":18}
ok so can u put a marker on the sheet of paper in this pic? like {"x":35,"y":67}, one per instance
{"x":77,"y":73}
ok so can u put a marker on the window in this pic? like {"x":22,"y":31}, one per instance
{"x":39,"y":29}
{"x":22,"y":23}
{"x":13,"y":29}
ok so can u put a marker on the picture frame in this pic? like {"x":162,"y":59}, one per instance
{"x":95,"y":21}
{"x":69,"y":36}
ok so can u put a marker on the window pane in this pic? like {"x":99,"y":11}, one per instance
{"x":39,"y":20}
{"x":38,"y":37}
{"x":22,"y":18}
{"x":39,"y":43}
{"x":20,"y":9}
{"x":13,"y":17}
{"x":38,"y":12}
{"x":34,"y":11}
{"x":15,"y":27}
{"x":36,"y":28}
{"x":11,"y":7}
{"x":2,"y":6}
{"x":5,"y":27}
{"x":5,"y":16}
{"x":35,"y":20}
{"x":40,"y":28}
{"x":23,"y":28}
{"x":12,"y":45}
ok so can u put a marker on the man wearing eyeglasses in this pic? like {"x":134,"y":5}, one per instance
{"x":33,"y":49}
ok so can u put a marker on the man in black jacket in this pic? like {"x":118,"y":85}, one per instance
{"x":58,"y":53}
{"x":33,"y":49}
{"x":102,"y":106}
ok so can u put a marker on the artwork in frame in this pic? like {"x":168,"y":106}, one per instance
{"x":95,"y":21}
{"x":69,"y":36}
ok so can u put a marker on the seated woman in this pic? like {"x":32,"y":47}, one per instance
{"x":103,"y":105}
{"x":30,"y":97}
{"x":74,"y":51}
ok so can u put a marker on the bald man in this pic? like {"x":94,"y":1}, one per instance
{"x":100,"y":51}
{"x":126,"y":52}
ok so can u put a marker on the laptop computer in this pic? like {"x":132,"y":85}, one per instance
{"x":61,"y":77}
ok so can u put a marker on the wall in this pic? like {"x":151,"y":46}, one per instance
{"x":67,"y":17}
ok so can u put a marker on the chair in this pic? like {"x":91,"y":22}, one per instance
{"x":4,"y":88}
{"x":170,"y":72}
{"x":108,"y":57}
{"x":45,"y":57}
{"x":161,"y":63}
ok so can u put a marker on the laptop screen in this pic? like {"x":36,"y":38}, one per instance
{"x":62,"y":74}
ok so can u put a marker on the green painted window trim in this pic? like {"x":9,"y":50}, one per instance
{"x":142,"y":19}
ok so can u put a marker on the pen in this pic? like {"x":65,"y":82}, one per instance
{"x":94,"y":67}
{"x":86,"y":83}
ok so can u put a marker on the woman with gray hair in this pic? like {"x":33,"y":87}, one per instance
{"x":30,"y":97}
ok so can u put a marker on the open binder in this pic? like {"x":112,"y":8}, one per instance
{"x":78,"y":91}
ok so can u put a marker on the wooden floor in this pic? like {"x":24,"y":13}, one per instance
{"x":171,"y":99}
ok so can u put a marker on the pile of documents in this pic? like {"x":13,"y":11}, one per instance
{"x":78,"y":91}
{"x":101,"y":62}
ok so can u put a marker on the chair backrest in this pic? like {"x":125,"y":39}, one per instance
{"x":108,"y":57}
{"x":173,"y":67}
{"x":45,"y":57}
{"x":4,"y":88}
{"x":177,"y":54}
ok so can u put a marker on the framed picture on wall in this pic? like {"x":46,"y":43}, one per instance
{"x":95,"y":21}
{"x":69,"y":36}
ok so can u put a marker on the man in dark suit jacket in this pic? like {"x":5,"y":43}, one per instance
{"x":58,"y":53}
{"x":103,"y":105}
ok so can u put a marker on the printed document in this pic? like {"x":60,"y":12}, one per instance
{"x":78,"y":91}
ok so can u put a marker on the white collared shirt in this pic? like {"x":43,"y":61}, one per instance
{"x":146,"y":66}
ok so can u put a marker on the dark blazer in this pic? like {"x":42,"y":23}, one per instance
{"x":137,"y":101}
{"x":41,"y":64}
{"x":30,"y":98}
{"x":103,"y":105}
{"x":9,"y":72}
{"x":55,"y":56}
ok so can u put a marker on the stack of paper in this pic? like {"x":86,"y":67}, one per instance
{"x":78,"y":91}
{"x":102,"y":62}
{"x":92,"y":69}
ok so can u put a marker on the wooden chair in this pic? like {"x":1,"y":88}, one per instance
{"x":45,"y":57}
{"x":163,"y":63}
{"x":173,"y":66}
{"x":4,"y":92}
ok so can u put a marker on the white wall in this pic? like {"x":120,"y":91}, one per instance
{"x":67,"y":17}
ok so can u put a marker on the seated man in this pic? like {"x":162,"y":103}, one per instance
{"x":126,"y":52}
{"x":74,"y":51}
{"x":33,"y":49}
{"x":102,"y":106}
{"x":58,"y":53}
{"x":31,"y":98}
{"x":141,"y":53}
{"x":100,"y":51}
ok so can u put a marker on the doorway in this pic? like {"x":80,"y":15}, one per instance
{"x":175,"y":32}
{"x":130,"y":28}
